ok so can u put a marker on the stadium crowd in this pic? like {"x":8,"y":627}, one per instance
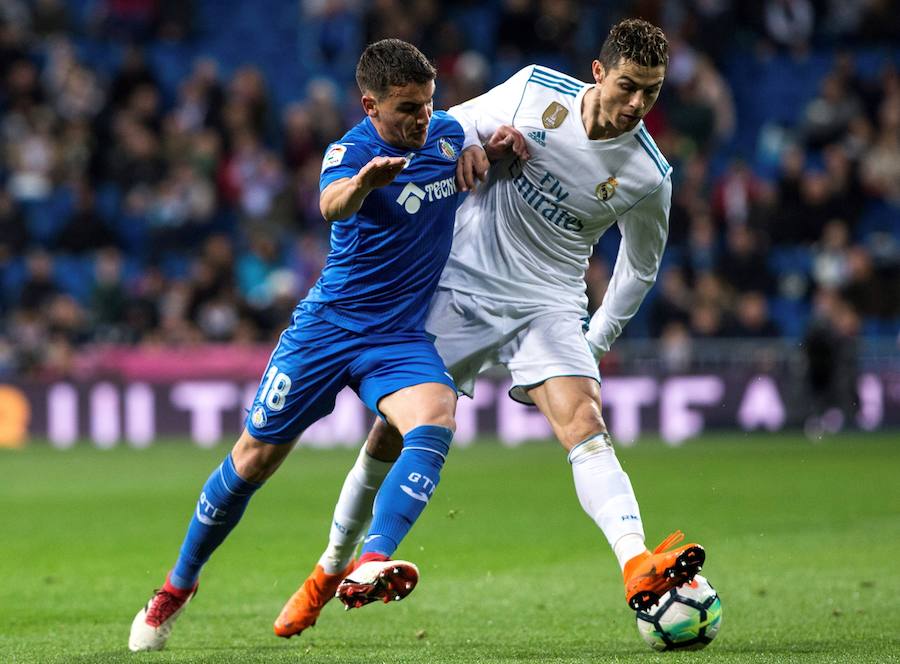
{"x":159,"y":180}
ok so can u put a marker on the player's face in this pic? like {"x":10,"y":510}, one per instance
{"x":627,"y":93}
{"x":401,"y":117}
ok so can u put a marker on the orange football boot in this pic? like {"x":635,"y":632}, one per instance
{"x":649,"y":576}
{"x":305,"y":605}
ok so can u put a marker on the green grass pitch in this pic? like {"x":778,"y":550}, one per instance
{"x":801,"y":540}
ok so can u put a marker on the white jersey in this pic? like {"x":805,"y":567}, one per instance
{"x":527,"y":233}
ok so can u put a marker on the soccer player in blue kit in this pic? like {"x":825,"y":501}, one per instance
{"x":388,"y":187}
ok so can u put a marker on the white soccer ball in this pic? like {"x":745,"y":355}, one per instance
{"x":685,"y":618}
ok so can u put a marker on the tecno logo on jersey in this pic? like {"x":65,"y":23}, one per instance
{"x":412,"y":195}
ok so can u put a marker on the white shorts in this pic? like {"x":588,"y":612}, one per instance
{"x":474,"y":333}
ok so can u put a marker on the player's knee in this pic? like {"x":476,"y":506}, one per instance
{"x":254,"y":460}
{"x":445,"y":420}
{"x":587,"y":420}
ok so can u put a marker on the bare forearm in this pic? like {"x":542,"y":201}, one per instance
{"x":342,"y":198}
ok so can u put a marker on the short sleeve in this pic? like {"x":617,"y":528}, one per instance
{"x":341,"y":160}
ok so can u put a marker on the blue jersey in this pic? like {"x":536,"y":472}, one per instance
{"x":385,"y":260}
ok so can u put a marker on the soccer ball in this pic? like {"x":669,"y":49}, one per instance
{"x":685,"y":618}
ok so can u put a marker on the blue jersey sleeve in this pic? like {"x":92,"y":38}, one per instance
{"x":342,"y":160}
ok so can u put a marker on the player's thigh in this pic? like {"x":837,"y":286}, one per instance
{"x":467,"y":332}
{"x":550,"y":345}
{"x":307,"y":369}
{"x":409,"y":368}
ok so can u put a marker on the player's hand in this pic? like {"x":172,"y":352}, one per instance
{"x":471,"y":168}
{"x":380,"y":172}
{"x":506,"y":141}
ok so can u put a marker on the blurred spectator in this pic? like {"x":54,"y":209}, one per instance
{"x":881,"y":164}
{"x":743,"y":264}
{"x":707,"y":321}
{"x":752,"y":317}
{"x":39,"y":287}
{"x":832,"y":365}
{"x":675,"y":347}
{"x":84,"y":230}
{"x":702,"y":109}
{"x":133,"y":73}
{"x":50,"y":18}
{"x":74,"y":90}
{"x":255,"y":268}
{"x":865,"y":291}
{"x":827,"y":117}
{"x":13,"y":234}
{"x":108,"y":300}
{"x":702,"y":252}
{"x":141,"y":316}
{"x":737,"y":191}
{"x":831,"y":268}
{"x":32,"y":159}
{"x":789,"y":23}
{"x":672,"y":303}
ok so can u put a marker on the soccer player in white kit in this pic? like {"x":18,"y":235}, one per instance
{"x":579,"y":159}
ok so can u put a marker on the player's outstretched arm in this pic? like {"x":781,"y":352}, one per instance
{"x":644,"y":231}
{"x":343,"y":198}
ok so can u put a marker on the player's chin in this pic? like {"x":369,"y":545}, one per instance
{"x":628,"y":122}
{"x":416,"y":140}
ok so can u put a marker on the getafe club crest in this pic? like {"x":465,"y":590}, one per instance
{"x":258,"y":417}
{"x":447,"y":149}
{"x":606,"y":190}
{"x":554,"y":115}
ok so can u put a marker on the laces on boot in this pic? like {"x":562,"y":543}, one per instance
{"x":669,"y":542}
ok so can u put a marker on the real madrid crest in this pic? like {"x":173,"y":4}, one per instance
{"x":606,"y":190}
{"x":554,"y":115}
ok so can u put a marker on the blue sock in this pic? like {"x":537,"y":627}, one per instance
{"x":407,"y":487}
{"x":222,"y":502}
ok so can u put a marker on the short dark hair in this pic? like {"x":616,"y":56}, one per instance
{"x":635,"y":40}
{"x":391,"y":62}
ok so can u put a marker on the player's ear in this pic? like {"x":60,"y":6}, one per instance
{"x":370,"y":105}
{"x":598,"y":71}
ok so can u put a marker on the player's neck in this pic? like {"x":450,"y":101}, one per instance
{"x":596,"y":126}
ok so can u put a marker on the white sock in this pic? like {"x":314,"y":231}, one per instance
{"x":627,"y":547}
{"x":605,"y":493}
{"x":353,"y":511}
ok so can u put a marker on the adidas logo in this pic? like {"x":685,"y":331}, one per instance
{"x":539,"y":137}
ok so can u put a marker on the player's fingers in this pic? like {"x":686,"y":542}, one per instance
{"x":464,"y":178}
{"x":465,"y":168}
{"x":517,"y":143}
{"x":481,"y":165}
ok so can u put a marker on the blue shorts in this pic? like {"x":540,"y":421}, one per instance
{"x":315,"y":359}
